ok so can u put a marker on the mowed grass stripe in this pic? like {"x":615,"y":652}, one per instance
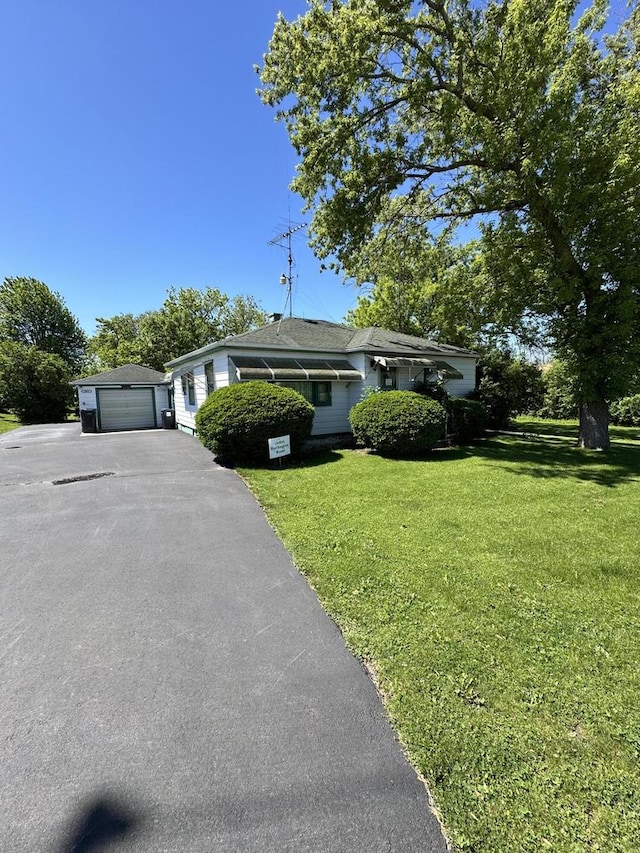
{"x":495,"y":591}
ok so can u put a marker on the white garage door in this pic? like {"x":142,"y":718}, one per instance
{"x":126,"y":408}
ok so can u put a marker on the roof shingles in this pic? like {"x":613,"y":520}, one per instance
{"x":295,"y":333}
{"x":128,"y":374}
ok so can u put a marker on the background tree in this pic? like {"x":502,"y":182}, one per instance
{"x":33,"y":315}
{"x":507,"y":112}
{"x":507,"y":386}
{"x":188,"y":319}
{"x":115,"y":342}
{"x":34,"y":385}
{"x":432,"y":289}
{"x":559,"y":399}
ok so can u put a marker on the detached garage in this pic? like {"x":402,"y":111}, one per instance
{"x":128,"y":397}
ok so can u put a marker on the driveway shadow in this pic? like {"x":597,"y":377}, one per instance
{"x":98,"y":822}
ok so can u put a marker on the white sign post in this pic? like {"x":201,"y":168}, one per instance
{"x":280,"y":446}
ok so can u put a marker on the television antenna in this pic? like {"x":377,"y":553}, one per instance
{"x":284,"y":242}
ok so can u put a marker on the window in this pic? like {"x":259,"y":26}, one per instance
{"x":317,"y":393}
{"x":189,"y":388}
{"x":208,"y":373}
{"x":388,"y":378}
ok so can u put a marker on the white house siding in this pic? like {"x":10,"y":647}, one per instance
{"x":185,"y":413}
{"x":406,"y":375}
{"x":334,"y":418}
{"x":161,"y":401}
{"x":328,"y":419}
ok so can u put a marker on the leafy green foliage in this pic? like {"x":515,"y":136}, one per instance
{"x":429,"y":290}
{"x":466,"y":419}
{"x":434,"y":391}
{"x":507,"y":656}
{"x":560,"y":398}
{"x":236,"y":422}
{"x":35,"y":316}
{"x":398,"y":423}
{"x":507,"y":387}
{"x":116,"y":342}
{"x":34,"y":385}
{"x":626,"y":411}
{"x":520,"y":116}
{"x":469,"y":420}
{"x":188,"y":319}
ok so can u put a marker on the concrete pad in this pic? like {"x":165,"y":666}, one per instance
{"x":169,"y":680}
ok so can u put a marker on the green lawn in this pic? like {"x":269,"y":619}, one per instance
{"x":8,"y":422}
{"x":569,"y":428}
{"x":496,"y":594}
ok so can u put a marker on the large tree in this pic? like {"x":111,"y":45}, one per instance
{"x":510,"y":113}
{"x":34,"y":384}
{"x":33,"y":315}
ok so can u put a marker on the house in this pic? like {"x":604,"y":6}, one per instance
{"x":328,"y":363}
{"x":128,"y":397}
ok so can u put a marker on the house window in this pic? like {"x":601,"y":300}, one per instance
{"x":208,"y":372}
{"x":317,"y":393}
{"x":189,"y":388}
{"x":388,"y":380}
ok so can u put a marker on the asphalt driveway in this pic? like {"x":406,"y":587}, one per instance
{"x":169,"y":681}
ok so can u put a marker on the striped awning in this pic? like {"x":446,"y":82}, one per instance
{"x":442,"y":367}
{"x":403,"y":361}
{"x":298,"y":369}
{"x":447,"y":370}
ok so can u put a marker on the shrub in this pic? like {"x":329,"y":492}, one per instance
{"x":434,"y":391}
{"x":236,"y":422}
{"x":626,"y":411}
{"x":469,"y":420}
{"x":398,"y":422}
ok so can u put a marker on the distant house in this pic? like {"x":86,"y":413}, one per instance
{"x":128,"y":397}
{"x":328,"y":363}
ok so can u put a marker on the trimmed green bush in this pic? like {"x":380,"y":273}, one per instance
{"x":469,"y":420}
{"x":626,"y":411}
{"x":398,"y":423}
{"x":236,"y":422}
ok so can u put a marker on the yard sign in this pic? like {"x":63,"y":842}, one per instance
{"x":280,"y":446}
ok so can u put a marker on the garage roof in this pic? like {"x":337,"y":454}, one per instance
{"x":128,"y":374}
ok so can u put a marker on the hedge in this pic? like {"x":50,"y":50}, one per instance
{"x":236,"y":422}
{"x":398,"y":423}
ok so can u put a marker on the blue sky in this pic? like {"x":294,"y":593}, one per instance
{"x":136,"y":156}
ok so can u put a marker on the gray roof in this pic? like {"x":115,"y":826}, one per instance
{"x":295,"y":333}
{"x":128,"y":374}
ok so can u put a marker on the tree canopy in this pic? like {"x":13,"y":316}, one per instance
{"x":33,"y":315}
{"x":517,"y":115}
{"x":188,"y":319}
{"x":34,"y":384}
{"x":432,"y":290}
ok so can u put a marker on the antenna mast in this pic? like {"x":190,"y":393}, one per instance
{"x":287,"y":279}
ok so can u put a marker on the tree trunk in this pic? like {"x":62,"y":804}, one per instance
{"x":594,"y":425}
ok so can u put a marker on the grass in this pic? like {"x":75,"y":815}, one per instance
{"x":8,"y":422}
{"x":495,"y":592}
{"x":569,"y":428}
